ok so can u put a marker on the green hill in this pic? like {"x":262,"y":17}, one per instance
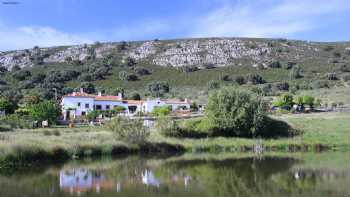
{"x":189,"y":68}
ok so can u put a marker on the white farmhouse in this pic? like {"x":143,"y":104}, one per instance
{"x":175,"y":104}
{"x":79,"y":104}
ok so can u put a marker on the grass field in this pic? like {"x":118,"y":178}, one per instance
{"x":331,"y":130}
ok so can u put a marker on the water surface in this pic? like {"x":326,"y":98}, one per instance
{"x":326,"y":174}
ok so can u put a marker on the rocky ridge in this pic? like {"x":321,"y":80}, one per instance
{"x":175,"y":53}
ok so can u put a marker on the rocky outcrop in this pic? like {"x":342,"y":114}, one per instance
{"x":175,"y":53}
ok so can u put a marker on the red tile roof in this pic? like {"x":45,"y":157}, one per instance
{"x":108,"y":98}
{"x":135,"y":102}
{"x":79,"y":94}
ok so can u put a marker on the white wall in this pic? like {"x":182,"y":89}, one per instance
{"x":72,"y":102}
{"x":111,"y":104}
{"x":149,"y":105}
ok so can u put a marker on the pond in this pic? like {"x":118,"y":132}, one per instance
{"x":298,"y":174}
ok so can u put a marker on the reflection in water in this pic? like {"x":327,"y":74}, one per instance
{"x":82,"y":180}
{"x":267,"y":176}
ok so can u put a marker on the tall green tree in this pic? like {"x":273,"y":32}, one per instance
{"x":46,"y":110}
{"x":7,"y":106}
{"x":235,"y":112}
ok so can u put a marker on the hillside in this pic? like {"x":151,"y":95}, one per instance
{"x":189,"y":67}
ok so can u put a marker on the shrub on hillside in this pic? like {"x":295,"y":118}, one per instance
{"x":344,"y":68}
{"x":283,"y":86}
{"x":274,"y":64}
{"x":213,"y":84}
{"x":346,"y":78}
{"x":319,"y":84}
{"x":254,"y":79}
{"x":142,"y":71}
{"x":236,"y":113}
{"x":332,"y":76}
{"x":127,"y":130}
{"x":289,"y":65}
{"x":158,"y":88}
{"x":88,"y":87}
{"x":240,"y":80}
{"x":295,"y":73}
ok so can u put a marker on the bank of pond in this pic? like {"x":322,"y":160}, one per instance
{"x":200,"y":174}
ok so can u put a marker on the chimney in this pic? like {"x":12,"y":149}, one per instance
{"x":99,"y":93}
{"x":186,"y":100}
{"x":120,"y":95}
{"x":82,"y":90}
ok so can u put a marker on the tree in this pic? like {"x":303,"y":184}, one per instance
{"x":332,"y":76}
{"x":240,"y":80}
{"x":285,"y":101}
{"x":46,"y":110}
{"x":136,"y":96}
{"x":158,"y":88}
{"x":308,"y":100}
{"x":88,"y":87}
{"x":295,"y":73}
{"x":275,"y":64}
{"x":32,"y":99}
{"x":3,"y":69}
{"x":213,"y":84}
{"x":235,"y":112}
{"x":130,"y":131}
{"x":254,"y":79}
{"x":161,"y":111}
{"x":7,"y":106}
{"x":92,"y":115}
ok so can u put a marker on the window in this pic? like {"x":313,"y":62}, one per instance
{"x":87,"y":105}
{"x":107,"y":107}
{"x":98,"y":107}
{"x":83,"y":113}
{"x":79,"y":104}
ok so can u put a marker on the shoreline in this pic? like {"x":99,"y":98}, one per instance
{"x":321,"y":132}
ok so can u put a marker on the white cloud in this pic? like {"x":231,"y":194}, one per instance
{"x":269,"y":18}
{"x":29,"y":36}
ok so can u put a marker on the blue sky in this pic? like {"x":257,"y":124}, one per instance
{"x":64,"y":22}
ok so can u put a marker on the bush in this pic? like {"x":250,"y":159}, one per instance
{"x":136,"y":96}
{"x":161,"y":111}
{"x":158,"y":88}
{"x":296,"y":73}
{"x":344,"y":68}
{"x":254,"y":79}
{"x":127,"y":130}
{"x":289,"y":65}
{"x":7,"y":106}
{"x":234,"y":112}
{"x":284,"y":86}
{"x":142,"y":71}
{"x":274,"y":64}
{"x":188,"y":69}
{"x":15,"y":121}
{"x":239,"y":80}
{"x":319,"y":84}
{"x":285,"y":101}
{"x":212,"y":85}
{"x":168,"y":127}
{"x":21,"y":75}
{"x":88,"y":87}
{"x":332,"y":76}
{"x":46,"y":110}
{"x":346,"y":78}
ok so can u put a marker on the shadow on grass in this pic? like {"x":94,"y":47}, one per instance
{"x":274,"y":128}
